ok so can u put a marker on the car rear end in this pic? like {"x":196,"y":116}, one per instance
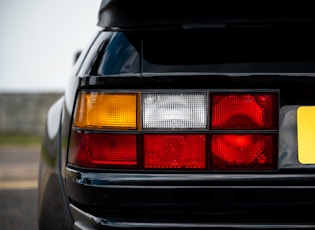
{"x":206,"y":126}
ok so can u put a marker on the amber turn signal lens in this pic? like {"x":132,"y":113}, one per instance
{"x":106,"y":110}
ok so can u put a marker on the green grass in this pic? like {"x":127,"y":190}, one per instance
{"x":19,"y":140}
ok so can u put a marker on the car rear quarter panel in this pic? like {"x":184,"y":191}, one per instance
{"x":53,"y":209}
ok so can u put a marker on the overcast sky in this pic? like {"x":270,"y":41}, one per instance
{"x":38,"y":40}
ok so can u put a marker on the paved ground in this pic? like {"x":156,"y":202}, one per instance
{"x":18,"y":187}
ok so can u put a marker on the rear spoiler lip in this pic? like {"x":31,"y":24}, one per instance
{"x":156,"y":14}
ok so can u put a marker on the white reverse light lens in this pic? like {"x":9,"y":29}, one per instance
{"x":174,"y":111}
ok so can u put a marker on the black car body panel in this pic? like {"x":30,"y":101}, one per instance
{"x":220,"y":53}
{"x":141,"y":14}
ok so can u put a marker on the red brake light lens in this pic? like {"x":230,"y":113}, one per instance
{"x":163,"y":151}
{"x":244,"y":111}
{"x":104,"y":150}
{"x":243,"y":151}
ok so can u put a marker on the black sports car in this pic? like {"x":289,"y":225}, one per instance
{"x":186,"y":115}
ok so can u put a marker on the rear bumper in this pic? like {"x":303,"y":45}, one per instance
{"x":85,"y":221}
{"x":111,"y":200}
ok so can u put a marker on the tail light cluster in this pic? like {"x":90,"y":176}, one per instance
{"x":170,"y":130}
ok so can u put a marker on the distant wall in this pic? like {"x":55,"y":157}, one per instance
{"x":25,"y":113}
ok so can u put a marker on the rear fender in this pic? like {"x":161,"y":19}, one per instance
{"x":52,"y":205}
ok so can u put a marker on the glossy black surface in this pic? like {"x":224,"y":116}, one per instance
{"x":82,"y":198}
{"x":135,"y":14}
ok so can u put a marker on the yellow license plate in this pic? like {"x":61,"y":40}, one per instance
{"x":306,"y":134}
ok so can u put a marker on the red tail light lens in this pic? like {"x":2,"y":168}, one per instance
{"x":104,"y":150}
{"x":175,"y":151}
{"x":244,"y":111}
{"x":243,"y":151}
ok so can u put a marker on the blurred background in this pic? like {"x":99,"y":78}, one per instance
{"x":38,"y":43}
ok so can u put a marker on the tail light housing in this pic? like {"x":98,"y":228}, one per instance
{"x":200,"y":130}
